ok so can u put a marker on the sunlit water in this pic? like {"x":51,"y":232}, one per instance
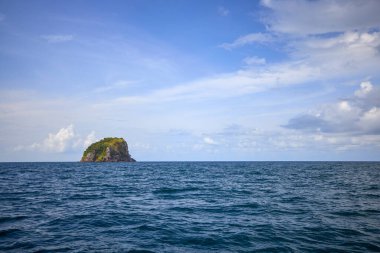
{"x":190,"y":207}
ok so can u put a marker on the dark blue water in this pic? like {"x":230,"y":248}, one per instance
{"x":190,"y":207}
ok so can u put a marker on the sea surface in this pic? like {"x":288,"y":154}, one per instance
{"x":190,"y":207}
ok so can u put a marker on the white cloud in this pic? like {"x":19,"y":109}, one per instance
{"x":356,"y":42}
{"x":347,"y":55}
{"x":247,"y":40}
{"x":255,"y":141}
{"x":56,"y":142}
{"x":348,"y":40}
{"x":209,"y":140}
{"x":121,"y":84}
{"x":59,"y":142}
{"x":365,"y":89}
{"x":370,"y":121}
{"x":223,"y":11}
{"x":253,"y":60}
{"x":325,"y":16}
{"x":357,"y":115}
{"x":91,"y":138}
{"x":233,"y":84}
{"x":140,"y":146}
{"x":342,"y":55}
{"x":58,"y":38}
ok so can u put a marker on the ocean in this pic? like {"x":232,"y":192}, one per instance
{"x":190,"y":207}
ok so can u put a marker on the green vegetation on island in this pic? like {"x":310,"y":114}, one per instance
{"x":108,"y":150}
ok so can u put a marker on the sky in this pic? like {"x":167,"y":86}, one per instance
{"x":268,"y":80}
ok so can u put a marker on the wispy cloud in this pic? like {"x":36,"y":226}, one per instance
{"x":234,"y":84}
{"x":2,"y":17}
{"x":121,"y":84}
{"x":298,"y":62}
{"x":317,"y":17}
{"x":348,"y":54}
{"x":247,"y":40}
{"x":223,"y":11}
{"x":58,"y":38}
{"x":346,"y":59}
{"x":254,"y":60}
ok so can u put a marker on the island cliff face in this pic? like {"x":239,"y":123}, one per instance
{"x":108,"y":150}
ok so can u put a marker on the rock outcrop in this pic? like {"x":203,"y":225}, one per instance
{"x":108,"y":150}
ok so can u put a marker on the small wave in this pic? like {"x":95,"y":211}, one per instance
{"x":247,"y":205}
{"x":146,"y":227}
{"x":166,"y":190}
{"x":362,"y":246}
{"x":190,"y":207}
{"x":139,"y":251}
{"x":202,"y":241}
{"x":348,"y":213}
{"x":8,"y":232}
{"x":11,"y":218}
{"x":79,"y":197}
{"x":348,"y":232}
{"x":182,"y":209}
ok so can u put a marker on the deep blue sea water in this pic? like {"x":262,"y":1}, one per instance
{"x":190,"y":207}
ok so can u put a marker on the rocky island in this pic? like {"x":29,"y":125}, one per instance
{"x":108,"y":150}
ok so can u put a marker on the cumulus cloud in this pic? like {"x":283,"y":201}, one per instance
{"x":369,"y":122}
{"x":91,"y":138}
{"x":223,"y":11}
{"x":209,"y":140}
{"x":356,"y":47}
{"x":58,"y":38}
{"x":365,"y":89}
{"x":304,"y":17}
{"x":343,"y":56}
{"x":247,"y":40}
{"x":59,"y":142}
{"x":359,"y":114}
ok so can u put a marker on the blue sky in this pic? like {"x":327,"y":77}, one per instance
{"x":191,"y":80}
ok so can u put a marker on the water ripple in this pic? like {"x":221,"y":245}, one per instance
{"x":190,"y":207}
